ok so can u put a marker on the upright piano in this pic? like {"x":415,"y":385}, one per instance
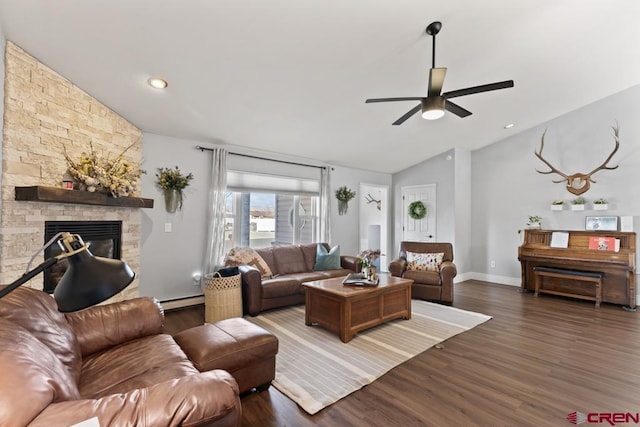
{"x":618,"y":268}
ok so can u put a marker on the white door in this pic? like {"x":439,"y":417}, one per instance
{"x":419,"y":230}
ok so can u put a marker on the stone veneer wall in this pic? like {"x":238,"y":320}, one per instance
{"x":45,"y":112}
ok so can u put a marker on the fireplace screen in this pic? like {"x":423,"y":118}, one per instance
{"x":104,"y":238}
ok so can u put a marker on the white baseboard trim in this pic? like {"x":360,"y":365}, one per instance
{"x":503,"y":280}
{"x":181,"y":303}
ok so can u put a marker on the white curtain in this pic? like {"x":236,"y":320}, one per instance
{"x":325,"y":206}
{"x":216,"y":218}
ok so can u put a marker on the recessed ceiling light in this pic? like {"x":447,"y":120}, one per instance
{"x":509,"y":126}
{"x":157,"y":83}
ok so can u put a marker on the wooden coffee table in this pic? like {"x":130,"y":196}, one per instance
{"x":347,"y":310}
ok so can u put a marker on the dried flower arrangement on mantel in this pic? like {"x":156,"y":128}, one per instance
{"x":117,"y":177}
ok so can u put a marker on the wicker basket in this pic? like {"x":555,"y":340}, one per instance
{"x":222,"y":297}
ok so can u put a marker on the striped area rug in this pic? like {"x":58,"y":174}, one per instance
{"x":315,"y":369}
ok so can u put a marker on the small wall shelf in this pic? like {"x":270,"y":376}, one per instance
{"x":60,"y":195}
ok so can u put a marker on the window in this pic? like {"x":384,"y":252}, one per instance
{"x":259,"y":220}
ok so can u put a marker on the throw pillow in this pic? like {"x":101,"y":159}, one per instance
{"x":248,"y":256}
{"x":424,"y":262}
{"x":327,"y":260}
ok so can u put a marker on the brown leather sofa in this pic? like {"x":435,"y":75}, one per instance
{"x":111,"y":362}
{"x":291,"y":266}
{"x":427,"y":285}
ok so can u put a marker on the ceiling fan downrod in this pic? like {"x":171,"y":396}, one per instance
{"x":432,"y":30}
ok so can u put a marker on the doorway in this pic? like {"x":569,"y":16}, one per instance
{"x":373,"y":221}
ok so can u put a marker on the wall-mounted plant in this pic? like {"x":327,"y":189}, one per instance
{"x":600,"y":204}
{"x":557,"y":205}
{"x":172,"y":182}
{"x":344,"y":194}
{"x":577,"y":204}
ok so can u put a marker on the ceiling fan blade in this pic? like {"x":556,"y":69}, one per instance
{"x":477,"y":89}
{"x":415,"y":98}
{"x":436,"y":80}
{"x":410,"y":113}
{"x":456,"y":109}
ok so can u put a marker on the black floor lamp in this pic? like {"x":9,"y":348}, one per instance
{"x":89,"y":280}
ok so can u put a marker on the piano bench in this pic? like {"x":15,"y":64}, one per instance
{"x":594,"y":277}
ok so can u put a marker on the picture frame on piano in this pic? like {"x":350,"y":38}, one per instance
{"x":601,"y":223}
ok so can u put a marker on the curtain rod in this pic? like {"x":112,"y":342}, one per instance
{"x":198,"y":147}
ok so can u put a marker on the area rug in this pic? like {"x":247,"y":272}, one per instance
{"x":315,"y":369}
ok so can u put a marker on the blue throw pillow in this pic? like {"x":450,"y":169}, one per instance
{"x":327,"y":260}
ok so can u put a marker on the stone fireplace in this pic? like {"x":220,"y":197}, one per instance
{"x":44,"y":115}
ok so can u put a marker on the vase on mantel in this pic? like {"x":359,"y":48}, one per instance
{"x":172,"y":200}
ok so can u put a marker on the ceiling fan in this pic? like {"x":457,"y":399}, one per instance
{"x":434,"y":104}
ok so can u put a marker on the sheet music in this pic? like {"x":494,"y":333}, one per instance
{"x":559,"y":239}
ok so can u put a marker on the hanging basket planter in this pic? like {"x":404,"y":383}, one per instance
{"x":344,"y":194}
{"x":343,"y":206}
{"x":172,"y":182}
{"x":172,"y":200}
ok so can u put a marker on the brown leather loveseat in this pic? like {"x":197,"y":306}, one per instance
{"x":428,"y":285}
{"x":109,"y":362}
{"x":291,"y":265}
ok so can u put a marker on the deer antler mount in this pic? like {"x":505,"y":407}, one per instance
{"x":369,"y":199}
{"x":579,"y":183}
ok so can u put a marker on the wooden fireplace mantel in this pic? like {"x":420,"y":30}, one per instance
{"x":60,"y":195}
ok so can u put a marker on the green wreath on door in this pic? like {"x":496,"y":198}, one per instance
{"x":417,"y":210}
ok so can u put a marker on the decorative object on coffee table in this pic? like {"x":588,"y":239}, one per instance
{"x":344,"y":194}
{"x":172,"y":182}
{"x":367,"y":259}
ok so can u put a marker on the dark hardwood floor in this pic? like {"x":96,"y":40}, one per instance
{"x":535,"y":362}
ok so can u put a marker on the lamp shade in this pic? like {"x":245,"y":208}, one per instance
{"x":433,"y":107}
{"x":89,"y":280}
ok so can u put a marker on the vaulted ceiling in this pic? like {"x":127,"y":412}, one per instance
{"x":291,"y":77}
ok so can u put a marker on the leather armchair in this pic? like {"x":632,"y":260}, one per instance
{"x":110,"y":362}
{"x":428,"y":285}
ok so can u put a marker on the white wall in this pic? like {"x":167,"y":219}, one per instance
{"x":345,"y":228}
{"x":462,"y":200}
{"x":168,"y":260}
{"x":506,"y":189}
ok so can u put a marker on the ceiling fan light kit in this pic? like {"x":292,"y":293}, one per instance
{"x":433,"y":106}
